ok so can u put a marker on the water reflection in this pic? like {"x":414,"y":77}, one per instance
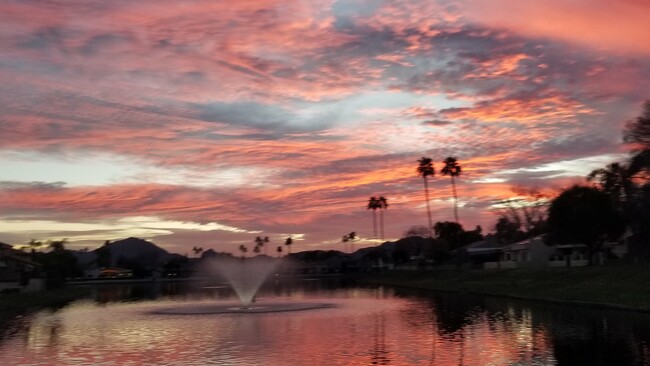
{"x":371,"y":326}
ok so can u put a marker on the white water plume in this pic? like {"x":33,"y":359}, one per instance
{"x":245,"y":275}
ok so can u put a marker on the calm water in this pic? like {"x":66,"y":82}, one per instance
{"x":369,"y":326}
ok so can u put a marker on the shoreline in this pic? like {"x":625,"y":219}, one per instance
{"x":624,"y":288}
{"x":621,"y":287}
{"x":24,"y":301}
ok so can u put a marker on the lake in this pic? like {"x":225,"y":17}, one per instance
{"x":120,"y":324}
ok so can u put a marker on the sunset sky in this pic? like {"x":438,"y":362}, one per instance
{"x":212,"y":122}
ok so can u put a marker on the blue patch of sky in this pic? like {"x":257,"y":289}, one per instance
{"x":81,"y":170}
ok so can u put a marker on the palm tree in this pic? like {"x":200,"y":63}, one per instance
{"x":425,"y":169}
{"x":197,"y":250}
{"x":352,"y":236}
{"x":288,"y":243}
{"x":279,"y":250}
{"x":344,"y":240}
{"x":259,"y":242}
{"x":373,"y":204}
{"x":383,"y":204}
{"x":453,"y":170}
{"x":35,"y":244}
{"x":243,"y":250}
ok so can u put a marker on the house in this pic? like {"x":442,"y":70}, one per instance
{"x":484,"y":253}
{"x":17,"y":271}
{"x":569,"y":255}
{"x":529,"y":253}
{"x":535,"y":253}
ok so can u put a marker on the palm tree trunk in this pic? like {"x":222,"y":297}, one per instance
{"x":453,"y":190}
{"x":426,"y":197}
{"x":374,"y":223}
{"x":381,"y":223}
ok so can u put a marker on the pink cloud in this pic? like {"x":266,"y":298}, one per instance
{"x":619,"y":25}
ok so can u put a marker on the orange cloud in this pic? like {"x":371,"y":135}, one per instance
{"x":529,"y":109}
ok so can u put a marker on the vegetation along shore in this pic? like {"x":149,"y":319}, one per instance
{"x":624,"y":286}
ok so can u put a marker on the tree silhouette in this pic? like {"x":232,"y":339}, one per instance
{"x":383,"y":205}
{"x":615,"y":180}
{"x":452,"y":169}
{"x":288,"y":243}
{"x":507,"y":229}
{"x":279,"y":250}
{"x":638,"y":206}
{"x":639,"y":167}
{"x":243,"y":249}
{"x":374,"y":205}
{"x":349,"y":238}
{"x":57,"y":264}
{"x":57,"y":245}
{"x":638,"y":130}
{"x":259,"y":243}
{"x":584,"y":215}
{"x":197,"y":250}
{"x":425,"y":169}
{"x":35,"y":245}
{"x":417,"y":230}
{"x":527,"y":211}
{"x":449,"y":231}
{"x":638,"y":133}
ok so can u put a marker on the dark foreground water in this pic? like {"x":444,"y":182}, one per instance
{"x":367,"y":326}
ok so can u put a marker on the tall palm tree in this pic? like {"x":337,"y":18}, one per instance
{"x":383,"y":204}
{"x":259,"y":242}
{"x":345,"y":240}
{"x":288,"y":243}
{"x":243,"y":250}
{"x":453,"y":170}
{"x":373,"y":204}
{"x":197,"y":250}
{"x":350,"y":238}
{"x":425,"y":169}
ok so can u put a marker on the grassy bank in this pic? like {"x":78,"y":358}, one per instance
{"x":24,"y":300}
{"x":618,"y":286}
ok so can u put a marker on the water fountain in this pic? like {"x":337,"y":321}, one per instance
{"x":245,"y":276}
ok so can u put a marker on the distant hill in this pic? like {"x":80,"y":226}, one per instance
{"x":128,"y":250}
{"x":137,"y":249}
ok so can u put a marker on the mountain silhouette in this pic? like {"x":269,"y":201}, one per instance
{"x":136,"y":248}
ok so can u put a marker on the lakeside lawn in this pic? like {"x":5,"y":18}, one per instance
{"x":58,"y":297}
{"x":626,"y":286}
